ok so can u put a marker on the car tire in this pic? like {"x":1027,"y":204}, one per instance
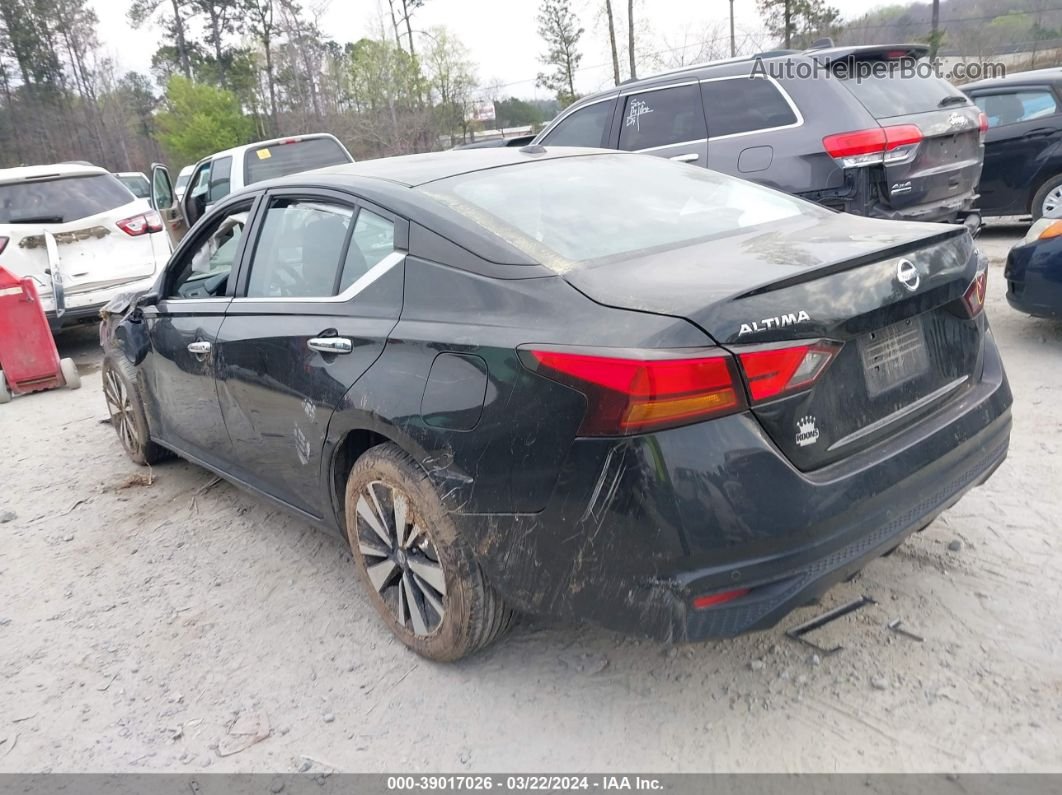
{"x":422,"y":577}
{"x":126,"y":410}
{"x":1053,"y":189}
{"x":5,"y":393}
{"x":71,"y":377}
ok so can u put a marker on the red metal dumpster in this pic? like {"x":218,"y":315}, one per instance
{"x":29,"y":360}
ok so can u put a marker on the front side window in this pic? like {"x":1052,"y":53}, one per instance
{"x":1017,"y":106}
{"x":584,"y":127}
{"x":576,"y":209}
{"x":661,"y":118}
{"x":744,"y":104}
{"x":300,"y":249}
{"x":203,"y":272}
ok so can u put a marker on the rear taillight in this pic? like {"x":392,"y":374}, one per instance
{"x":649,"y":391}
{"x":873,"y":146}
{"x":142,"y":224}
{"x":3,"y":244}
{"x":779,"y":370}
{"x":713,"y":599}
{"x":982,"y":123}
{"x":974,"y":297}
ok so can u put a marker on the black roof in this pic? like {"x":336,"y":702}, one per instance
{"x":1017,"y":78}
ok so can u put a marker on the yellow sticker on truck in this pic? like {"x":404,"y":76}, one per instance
{"x":264,"y":154}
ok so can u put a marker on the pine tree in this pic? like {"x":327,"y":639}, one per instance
{"x":558,"y":26}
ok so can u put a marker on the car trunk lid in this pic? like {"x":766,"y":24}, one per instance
{"x":902,"y":350}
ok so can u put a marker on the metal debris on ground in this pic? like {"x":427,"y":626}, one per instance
{"x":797,"y":633}
{"x":895,"y":626}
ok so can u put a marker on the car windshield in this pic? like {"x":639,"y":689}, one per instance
{"x":281,"y":159}
{"x":576,"y":209}
{"x":137,"y":184}
{"x":60,"y":199}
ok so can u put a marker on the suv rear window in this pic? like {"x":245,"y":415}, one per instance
{"x":58,"y":200}
{"x":279,"y":160}
{"x":652,"y":203}
{"x":889,"y":91}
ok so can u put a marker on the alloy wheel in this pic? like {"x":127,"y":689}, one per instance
{"x":121,"y":410}
{"x":400,"y":558}
{"x":1052,"y":201}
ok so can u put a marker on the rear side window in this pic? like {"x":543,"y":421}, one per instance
{"x":1015,"y":106}
{"x":300,"y":249}
{"x":744,"y":104}
{"x":889,"y":92}
{"x":661,"y":118}
{"x":584,"y":127}
{"x":279,"y":160}
{"x":373,"y":239}
{"x":61,"y":199}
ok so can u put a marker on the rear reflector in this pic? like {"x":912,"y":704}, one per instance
{"x":775,"y":371}
{"x":141,"y":224}
{"x":710,"y":600}
{"x":872,"y":146}
{"x":974,"y":297}
{"x":633,"y":394}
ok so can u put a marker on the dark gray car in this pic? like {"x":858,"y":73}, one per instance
{"x":867,"y":130}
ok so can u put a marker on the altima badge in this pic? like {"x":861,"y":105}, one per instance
{"x":908,"y":274}
{"x":790,"y":319}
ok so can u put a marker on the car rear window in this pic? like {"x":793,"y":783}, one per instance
{"x":59,"y":200}
{"x":892,"y":91}
{"x":279,"y":160}
{"x":576,"y":209}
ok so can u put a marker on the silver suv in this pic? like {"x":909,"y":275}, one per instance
{"x":868,"y":130}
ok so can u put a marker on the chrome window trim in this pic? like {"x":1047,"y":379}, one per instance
{"x":666,"y":146}
{"x":210,"y":300}
{"x":659,"y":88}
{"x":370,"y":276}
{"x":785,"y":95}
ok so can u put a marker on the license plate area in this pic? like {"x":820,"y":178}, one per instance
{"x":893,"y":355}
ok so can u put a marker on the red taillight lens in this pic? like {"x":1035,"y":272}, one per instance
{"x":974,"y":297}
{"x":710,"y":600}
{"x":982,"y":123}
{"x":141,"y":224}
{"x":627,"y":395}
{"x":778,"y":371}
{"x":876,"y":145}
{"x":3,"y":244}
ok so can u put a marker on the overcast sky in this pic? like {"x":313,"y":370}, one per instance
{"x":501,"y":34}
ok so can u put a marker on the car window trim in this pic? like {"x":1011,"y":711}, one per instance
{"x":369,"y":277}
{"x":568,"y":112}
{"x":785,"y":95}
{"x":190,"y":241}
{"x":401,"y":242}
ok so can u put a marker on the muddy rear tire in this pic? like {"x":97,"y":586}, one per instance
{"x":126,"y":409}
{"x":419,"y":573}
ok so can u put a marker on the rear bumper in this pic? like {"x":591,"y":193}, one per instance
{"x":1034,"y":278}
{"x":637,"y":528}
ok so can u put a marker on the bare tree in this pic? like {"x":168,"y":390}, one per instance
{"x":264,"y":27}
{"x":612,"y":42}
{"x":630,"y":38}
{"x":142,"y":10}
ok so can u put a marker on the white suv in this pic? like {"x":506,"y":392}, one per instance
{"x":80,"y":234}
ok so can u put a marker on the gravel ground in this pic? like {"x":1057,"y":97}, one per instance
{"x":161,"y":622}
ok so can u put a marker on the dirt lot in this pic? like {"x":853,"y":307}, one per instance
{"x":171,"y":624}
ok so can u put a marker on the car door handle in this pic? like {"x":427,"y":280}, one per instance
{"x":689,"y":157}
{"x":199,"y":347}
{"x":330,"y":344}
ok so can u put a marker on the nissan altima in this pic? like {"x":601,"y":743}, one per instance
{"x":587,"y":384}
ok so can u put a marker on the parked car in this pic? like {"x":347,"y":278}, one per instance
{"x":882,"y":144}
{"x":181,"y":184}
{"x":650,"y":396}
{"x":1034,"y":268}
{"x":517,"y":140}
{"x":80,"y":234}
{"x":215,"y":177}
{"x":1023,"y":146}
{"x":136,"y":182}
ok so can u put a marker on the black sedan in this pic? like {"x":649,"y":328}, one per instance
{"x":1034,"y":269}
{"x":594,"y":385}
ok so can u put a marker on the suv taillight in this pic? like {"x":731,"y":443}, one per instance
{"x":142,"y":224}
{"x":874,"y":146}
{"x":643,"y":391}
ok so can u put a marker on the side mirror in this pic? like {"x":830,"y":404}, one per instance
{"x":150,"y":298}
